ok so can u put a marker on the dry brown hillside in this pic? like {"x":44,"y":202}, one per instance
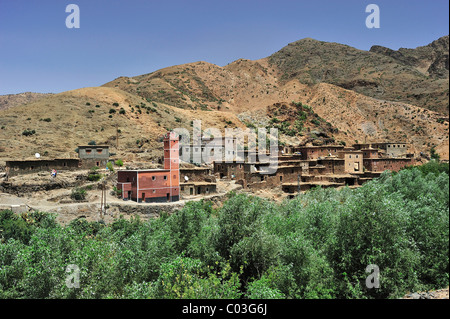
{"x":11,"y":100}
{"x":416,"y":76}
{"x":344,"y":95}
{"x":63,"y":121}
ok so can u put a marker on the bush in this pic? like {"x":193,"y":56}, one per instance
{"x":112,"y":111}
{"x":434,"y":155}
{"x":13,"y":226}
{"x":119,"y":162}
{"x":110,"y":166}
{"x":28,"y":132}
{"x":78,"y":194}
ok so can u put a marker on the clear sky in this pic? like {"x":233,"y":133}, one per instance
{"x":38,"y":53}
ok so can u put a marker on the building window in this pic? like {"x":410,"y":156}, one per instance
{"x":165,"y":177}
{"x":349,"y":156}
{"x":153,"y":178}
{"x":154,"y":191}
{"x":88,"y":151}
{"x":174,"y":176}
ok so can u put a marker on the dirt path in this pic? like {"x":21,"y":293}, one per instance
{"x":434,"y":294}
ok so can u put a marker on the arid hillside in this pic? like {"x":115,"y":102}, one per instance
{"x":11,"y":100}
{"x":314,"y":92}
{"x":415,"y":76}
{"x":54,"y":126}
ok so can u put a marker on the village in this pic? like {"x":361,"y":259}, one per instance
{"x":147,"y":190}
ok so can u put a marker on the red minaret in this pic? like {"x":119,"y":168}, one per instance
{"x":171,"y":162}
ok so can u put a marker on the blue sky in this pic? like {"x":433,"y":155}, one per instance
{"x":127,"y":38}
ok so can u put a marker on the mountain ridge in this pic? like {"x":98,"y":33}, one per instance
{"x":360,"y":95}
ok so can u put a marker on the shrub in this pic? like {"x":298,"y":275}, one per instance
{"x":434,"y":155}
{"x":94,"y":177}
{"x":28,"y":132}
{"x":13,"y":226}
{"x":112,"y":111}
{"x":119,"y":162}
{"x":110,"y":166}
{"x":78,"y":194}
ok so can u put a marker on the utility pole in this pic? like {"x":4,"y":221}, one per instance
{"x":101,"y":205}
{"x":117,"y":136}
{"x":103,"y":200}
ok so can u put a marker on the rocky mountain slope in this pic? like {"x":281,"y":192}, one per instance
{"x":415,"y":76}
{"x":313,"y":91}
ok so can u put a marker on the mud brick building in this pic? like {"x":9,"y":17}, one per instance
{"x":382,"y":164}
{"x":314,"y":152}
{"x":154,"y":185}
{"x":197,"y":181}
{"x":231,"y":171}
{"x":301,"y":168}
{"x":93,"y":155}
{"x":353,"y":161}
{"x":387,"y":149}
{"x":197,"y":188}
{"x":14,"y":168}
{"x":255,"y":175}
{"x":333,"y":165}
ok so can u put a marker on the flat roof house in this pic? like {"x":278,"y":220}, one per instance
{"x":154,"y":185}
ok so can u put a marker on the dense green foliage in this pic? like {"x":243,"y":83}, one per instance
{"x":317,"y":245}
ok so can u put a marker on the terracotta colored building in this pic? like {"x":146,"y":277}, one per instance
{"x":154,"y":185}
{"x":383,"y":164}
